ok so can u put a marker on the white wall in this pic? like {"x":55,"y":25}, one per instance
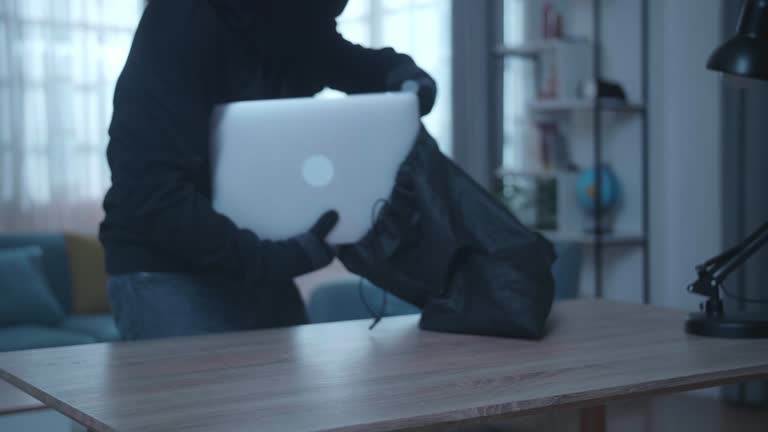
{"x":685,"y":145}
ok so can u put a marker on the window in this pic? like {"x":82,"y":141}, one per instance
{"x":59,"y":61}
{"x":419,"y":28}
{"x":518,"y":88}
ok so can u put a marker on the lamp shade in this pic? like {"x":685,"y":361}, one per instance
{"x":746,"y":54}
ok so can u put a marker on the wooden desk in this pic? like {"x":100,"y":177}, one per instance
{"x":342,"y":377}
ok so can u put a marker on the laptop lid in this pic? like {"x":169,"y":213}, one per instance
{"x":278,"y":165}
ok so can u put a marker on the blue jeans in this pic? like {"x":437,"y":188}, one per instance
{"x":156,"y":305}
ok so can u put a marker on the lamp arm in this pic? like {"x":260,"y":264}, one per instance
{"x":713,"y":272}
{"x":715,"y":263}
{"x":750,"y":247}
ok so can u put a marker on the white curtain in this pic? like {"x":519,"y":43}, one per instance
{"x":519,"y":85}
{"x":59,"y":61}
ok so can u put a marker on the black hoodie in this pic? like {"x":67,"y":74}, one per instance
{"x":187,"y":56}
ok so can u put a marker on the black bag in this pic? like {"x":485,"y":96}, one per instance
{"x":445,"y":245}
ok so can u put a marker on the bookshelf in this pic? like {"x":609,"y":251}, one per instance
{"x":595,"y":40}
{"x":567,"y":105}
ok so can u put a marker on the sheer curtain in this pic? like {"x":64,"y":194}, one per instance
{"x":59,"y":60}
{"x":519,"y":85}
{"x":419,"y":28}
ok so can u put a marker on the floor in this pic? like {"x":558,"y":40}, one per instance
{"x":38,"y":421}
{"x":692,"y":413}
{"x":677,"y":413}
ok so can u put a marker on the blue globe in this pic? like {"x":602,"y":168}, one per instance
{"x":610,"y":190}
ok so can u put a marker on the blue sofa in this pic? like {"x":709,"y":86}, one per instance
{"x":84,"y":323}
{"x":92,"y":323}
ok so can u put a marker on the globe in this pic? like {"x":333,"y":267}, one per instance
{"x":610,"y":190}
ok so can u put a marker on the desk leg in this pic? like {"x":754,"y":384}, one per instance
{"x":592,"y":419}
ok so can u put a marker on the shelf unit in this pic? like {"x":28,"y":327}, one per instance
{"x":569,"y":105}
{"x":542,"y":174}
{"x":615,"y":127}
{"x":587,"y":239}
{"x":533,"y":48}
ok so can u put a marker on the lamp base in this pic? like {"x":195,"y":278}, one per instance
{"x":730,"y":326}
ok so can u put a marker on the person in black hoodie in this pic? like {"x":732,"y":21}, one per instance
{"x":176,"y":266}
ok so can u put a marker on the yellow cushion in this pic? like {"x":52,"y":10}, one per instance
{"x":89,"y":276}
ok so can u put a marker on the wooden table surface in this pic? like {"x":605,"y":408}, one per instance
{"x":342,"y":377}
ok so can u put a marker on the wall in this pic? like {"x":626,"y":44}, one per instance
{"x":755,"y":196}
{"x":745,"y":205}
{"x":685,"y":102}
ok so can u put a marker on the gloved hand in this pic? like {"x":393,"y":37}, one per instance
{"x":304,"y":253}
{"x":412,"y":79}
{"x":317,"y":252}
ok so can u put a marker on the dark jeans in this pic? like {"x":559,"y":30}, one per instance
{"x":156,"y":305}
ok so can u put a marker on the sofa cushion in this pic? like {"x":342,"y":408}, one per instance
{"x":89,"y":276}
{"x":55,"y":261}
{"x":27,"y":298}
{"x":34,"y":336}
{"x":100,"y":327}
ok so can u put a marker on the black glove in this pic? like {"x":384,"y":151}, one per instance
{"x":411,"y":78}
{"x":304,"y":253}
{"x":319,"y":254}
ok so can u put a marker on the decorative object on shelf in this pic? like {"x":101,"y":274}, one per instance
{"x":554,"y":153}
{"x":746,"y":56}
{"x":609,"y":191}
{"x":593,"y":89}
{"x":543,"y":200}
{"x":543,"y":147}
{"x":532,"y":199}
{"x":550,"y":134}
{"x":552,"y":27}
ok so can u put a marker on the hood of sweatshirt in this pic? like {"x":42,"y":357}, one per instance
{"x":281,"y":29}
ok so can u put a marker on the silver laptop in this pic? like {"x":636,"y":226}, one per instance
{"x":280,"y":164}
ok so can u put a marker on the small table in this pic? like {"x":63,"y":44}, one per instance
{"x":342,"y":377}
{"x":14,"y":401}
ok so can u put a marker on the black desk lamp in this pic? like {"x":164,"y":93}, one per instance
{"x":745,"y":56}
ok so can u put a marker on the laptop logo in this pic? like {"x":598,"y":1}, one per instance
{"x":318,"y":171}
